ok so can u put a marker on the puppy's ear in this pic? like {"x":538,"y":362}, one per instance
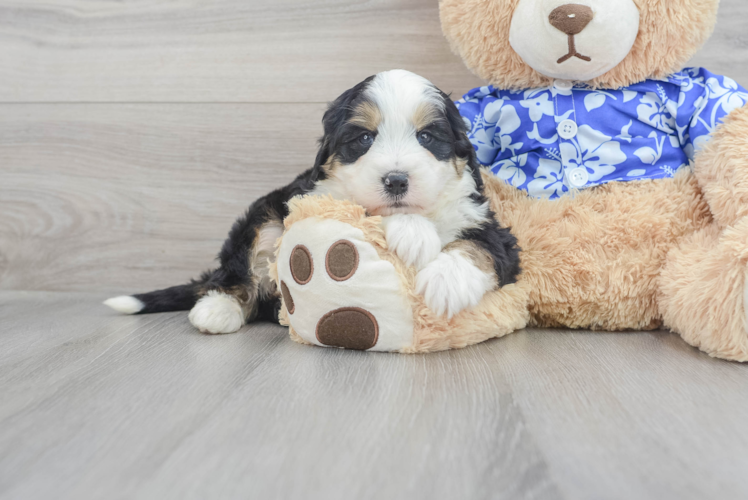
{"x":463,"y":147}
{"x":338,"y":112}
{"x":323,"y":154}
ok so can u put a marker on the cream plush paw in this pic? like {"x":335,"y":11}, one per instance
{"x":452,"y":283}
{"x":338,"y":292}
{"x":413,"y":238}
{"x":217,"y":313}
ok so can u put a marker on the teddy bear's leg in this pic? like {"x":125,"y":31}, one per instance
{"x":702,"y":290}
{"x":337,"y":290}
{"x":721,"y":169}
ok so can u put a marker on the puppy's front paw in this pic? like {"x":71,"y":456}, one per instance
{"x":217,"y":313}
{"x":413,"y":238}
{"x":452,"y":283}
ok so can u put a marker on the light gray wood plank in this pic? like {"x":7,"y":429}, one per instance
{"x":644,"y":414}
{"x":226,"y":50}
{"x":238,"y":51}
{"x":97,"y":405}
{"x":131,"y":197}
{"x":146,"y":407}
{"x":726,"y":52}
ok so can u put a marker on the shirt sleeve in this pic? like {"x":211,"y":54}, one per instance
{"x":494,"y":126}
{"x":704,"y":100}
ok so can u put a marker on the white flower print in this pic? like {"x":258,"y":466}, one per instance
{"x":656,"y":126}
{"x":596,"y":99}
{"x":657,"y":110}
{"x":594,"y":151}
{"x":729,"y":97}
{"x":549,"y":179}
{"x":492,"y":132}
{"x":649,"y":155}
{"x":511,"y":170}
{"x":538,"y":103}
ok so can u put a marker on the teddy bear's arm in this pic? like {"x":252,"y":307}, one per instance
{"x":704,"y":102}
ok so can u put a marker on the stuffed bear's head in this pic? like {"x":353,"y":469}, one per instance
{"x":605,"y":43}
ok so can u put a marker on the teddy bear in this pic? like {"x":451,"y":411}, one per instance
{"x":623,"y":176}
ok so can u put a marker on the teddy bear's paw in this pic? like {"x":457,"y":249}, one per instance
{"x":451,"y":283}
{"x":338,"y":292}
{"x":217,"y":312}
{"x":413,"y":238}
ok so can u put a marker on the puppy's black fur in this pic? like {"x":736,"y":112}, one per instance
{"x":234,"y":275}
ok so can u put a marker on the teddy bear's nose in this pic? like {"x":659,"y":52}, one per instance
{"x":571,"y":18}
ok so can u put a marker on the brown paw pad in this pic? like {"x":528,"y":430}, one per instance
{"x":341,"y":260}
{"x":287,"y":298}
{"x":302,"y":266}
{"x":348,"y":327}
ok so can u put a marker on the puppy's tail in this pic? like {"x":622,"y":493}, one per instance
{"x":175,"y":298}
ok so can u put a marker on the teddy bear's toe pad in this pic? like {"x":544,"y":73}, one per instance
{"x":337,"y":290}
{"x":348,"y":327}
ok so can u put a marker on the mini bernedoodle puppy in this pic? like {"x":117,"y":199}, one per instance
{"x":396,"y":145}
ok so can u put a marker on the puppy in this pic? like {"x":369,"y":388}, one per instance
{"x":396,"y":145}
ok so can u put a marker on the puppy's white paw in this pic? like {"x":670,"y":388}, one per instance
{"x":217,"y":313}
{"x":413,"y":238}
{"x":452,"y":283}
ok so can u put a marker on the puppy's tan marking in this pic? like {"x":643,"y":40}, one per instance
{"x":479,"y":257}
{"x":331,"y":165}
{"x":425,"y":115}
{"x":459,"y":165}
{"x":366,"y":115}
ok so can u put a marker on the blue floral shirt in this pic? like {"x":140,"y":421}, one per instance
{"x":549,"y":141}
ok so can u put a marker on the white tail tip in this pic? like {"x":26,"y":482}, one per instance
{"x":125,"y":304}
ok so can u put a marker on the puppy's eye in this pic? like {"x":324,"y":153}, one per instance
{"x":425,"y":137}
{"x":366,"y":139}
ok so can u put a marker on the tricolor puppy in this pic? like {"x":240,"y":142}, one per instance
{"x":396,"y":145}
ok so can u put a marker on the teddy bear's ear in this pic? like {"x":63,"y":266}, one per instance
{"x":670,"y":32}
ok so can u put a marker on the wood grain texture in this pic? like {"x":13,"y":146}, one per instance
{"x":136,"y":196}
{"x":239,"y":51}
{"x":102,"y":406}
{"x":127,"y":197}
{"x":218,"y":51}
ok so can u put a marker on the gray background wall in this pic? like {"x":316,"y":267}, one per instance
{"x":133,"y":133}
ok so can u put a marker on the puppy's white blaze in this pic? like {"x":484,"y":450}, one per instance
{"x":217,"y":313}
{"x":398,"y":93}
{"x":452,"y":283}
{"x":399,"y":96}
{"x":125,"y":304}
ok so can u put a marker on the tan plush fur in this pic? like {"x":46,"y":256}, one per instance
{"x":638,"y":255}
{"x":592,"y":259}
{"x":500,"y":313}
{"x":670,"y":33}
{"x":620,"y":256}
{"x":721,"y":169}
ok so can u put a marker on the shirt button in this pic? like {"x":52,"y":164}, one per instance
{"x":579,"y":177}
{"x":563,"y":85}
{"x":567,"y":129}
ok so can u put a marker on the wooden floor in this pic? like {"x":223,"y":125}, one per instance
{"x":102,"y":406}
{"x":132,"y":133}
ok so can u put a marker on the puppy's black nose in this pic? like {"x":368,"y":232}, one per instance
{"x":395,"y":183}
